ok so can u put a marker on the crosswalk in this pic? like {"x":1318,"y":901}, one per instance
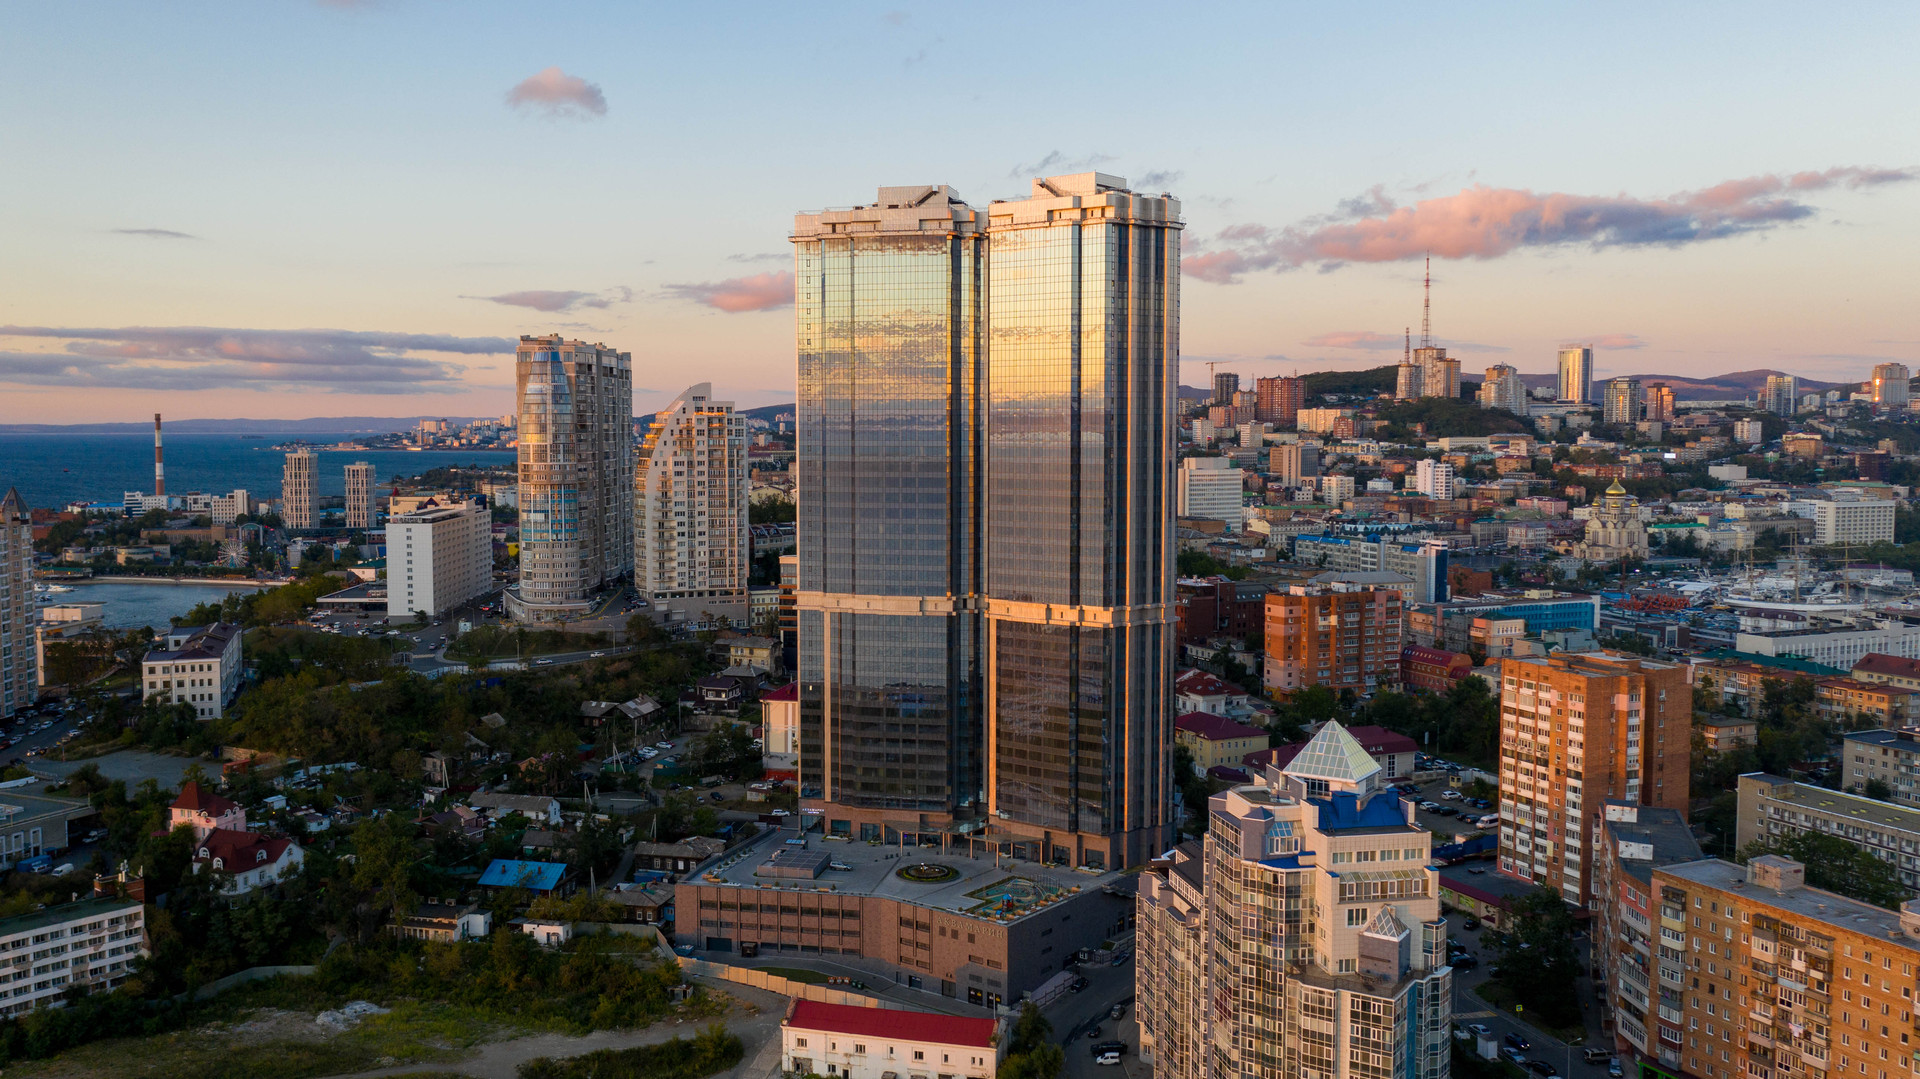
{"x":1475,"y":1015}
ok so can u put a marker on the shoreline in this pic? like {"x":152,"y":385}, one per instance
{"x":217,"y":582}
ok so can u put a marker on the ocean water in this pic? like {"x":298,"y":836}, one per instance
{"x":52,"y":470}
{"x":147,"y":603}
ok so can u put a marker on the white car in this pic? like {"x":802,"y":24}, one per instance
{"x":1450,"y":795}
{"x":780,"y":813}
{"x":663,"y":745}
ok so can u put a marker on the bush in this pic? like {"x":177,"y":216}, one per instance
{"x":712,"y":1050}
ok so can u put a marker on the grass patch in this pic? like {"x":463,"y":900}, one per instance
{"x":1500,"y":998}
{"x":795,"y":974}
{"x":712,"y":1050}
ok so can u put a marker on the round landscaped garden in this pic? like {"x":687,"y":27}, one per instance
{"x":927,"y":873}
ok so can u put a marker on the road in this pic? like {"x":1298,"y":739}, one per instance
{"x":1075,"y":1014}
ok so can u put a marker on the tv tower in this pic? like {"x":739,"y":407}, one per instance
{"x":1426,"y":309}
{"x":159,"y":469}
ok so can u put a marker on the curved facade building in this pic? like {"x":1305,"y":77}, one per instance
{"x":576,"y":474}
{"x":690,"y":544}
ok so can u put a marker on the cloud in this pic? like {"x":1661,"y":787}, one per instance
{"x":1616,"y":341}
{"x":209,"y":358}
{"x":1058,"y":164}
{"x":1366,"y":339}
{"x":156,"y":234}
{"x":550,"y":301}
{"x":1158,"y":178}
{"x":764,"y":256}
{"x":559,"y":94}
{"x":760,"y":292}
{"x":1482,"y":222}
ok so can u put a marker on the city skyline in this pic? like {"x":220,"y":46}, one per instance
{"x":419,"y":251}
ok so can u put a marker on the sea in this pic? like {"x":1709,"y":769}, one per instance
{"x":132,"y":604}
{"x":53,"y":470}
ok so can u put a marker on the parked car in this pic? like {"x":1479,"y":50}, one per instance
{"x":1542,"y":1068}
{"x":1431,"y":807}
{"x":1613,"y":1068}
{"x":1077,"y":986}
{"x":1513,"y":1057}
{"x":1594,"y":1055}
{"x":1465,"y":962}
{"x":1470,"y":925}
{"x":1108,"y":1052}
{"x":663,"y":745}
{"x":1116,"y":1011}
{"x":1093,"y":1032}
{"x":1480,"y":1029}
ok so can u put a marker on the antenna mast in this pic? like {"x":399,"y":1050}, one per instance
{"x":1426,"y":309}
{"x":1408,"y":357}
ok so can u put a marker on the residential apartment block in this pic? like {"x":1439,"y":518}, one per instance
{"x":300,"y":490}
{"x":92,"y":943}
{"x":1210,"y":488}
{"x":198,"y":665}
{"x":1890,"y":756}
{"x":1313,"y":944}
{"x":1578,"y":730}
{"x":1634,"y":840}
{"x":1425,"y":562}
{"x":1771,"y":806}
{"x":19,"y":686}
{"x":690,"y":543}
{"x":439,"y":555}
{"x":360,"y":495}
{"x":575,"y":404}
{"x":1854,"y":523}
{"x":1338,"y":636}
{"x":1279,"y":400}
{"x":1888,"y":670}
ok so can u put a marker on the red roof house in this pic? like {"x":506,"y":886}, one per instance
{"x":893,"y":1025}
{"x":205,"y":811}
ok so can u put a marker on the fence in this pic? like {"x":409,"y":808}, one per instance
{"x":774,"y":983}
{"x":240,"y":977}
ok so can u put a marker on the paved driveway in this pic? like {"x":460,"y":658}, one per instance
{"x":132,"y":765}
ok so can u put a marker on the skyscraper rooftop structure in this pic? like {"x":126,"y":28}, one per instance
{"x":576,"y":474}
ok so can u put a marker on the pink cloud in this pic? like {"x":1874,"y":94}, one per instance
{"x":1364,"y":339}
{"x":758,"y":292}
{"x":1486,"y":222}
{"x":558,"y":94}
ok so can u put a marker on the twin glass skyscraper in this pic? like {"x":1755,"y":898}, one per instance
{"x":985,"y":456}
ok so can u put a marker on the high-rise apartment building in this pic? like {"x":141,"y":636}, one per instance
{"x":224,"y":509}
{"x":1780,"y":396}
{"x":1576,"y":375}
{"x":1210,"y":488}
{"x":439,"y":555}
{"x":1577,"y":729}
{"x":1864,"y":521}
{"x":1409,"y":381}
{"x":1018,"y":588}
{"x":1659,"y":403}
{"x":1225,"y":385}
{"x":1627,"y":948}
{"x":360,"y":495}
{"x":576,"y":474}
{"x":1433,"y":478}
{"x":1424,"y":563}
{"x":690,"y":547}
{"x":1296,"y":463}
{"x":1280,"y":400}
{"x":889,"y":319}
{"x":18,"y":684}
{"x":1439,"y":373}
{"x":1336,"y":635}
{"x":1749,"y":431}
{"x":1503,"y":388}
{"x":1818,"y":982}
{"x":1335,"y":490}
{"x":300,"y":490}
{"x":1083,"y":371}
{"x":1889,"y":385}
{"x":1621,"y":404}
{"x":1302,"y":936}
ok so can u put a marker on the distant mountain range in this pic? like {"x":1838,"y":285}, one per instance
{"x":1711,"y":388}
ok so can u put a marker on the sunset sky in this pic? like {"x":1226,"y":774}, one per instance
{"x":293,"y":208}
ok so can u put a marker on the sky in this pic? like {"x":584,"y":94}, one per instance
{"x":295,"y":208}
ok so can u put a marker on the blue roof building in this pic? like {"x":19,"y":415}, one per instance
{"x":533,"y":876}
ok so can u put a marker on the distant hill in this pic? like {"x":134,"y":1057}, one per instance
{"x":1710,"y":388}
{"x":768,"y":412}
{"x":327,"y":425}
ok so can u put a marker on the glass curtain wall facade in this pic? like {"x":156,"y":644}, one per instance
{"x":575,"y":472}
{"x":1084,"y":357}
{"x":889,"y":318}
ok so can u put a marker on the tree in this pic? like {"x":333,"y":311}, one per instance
{"x":1877,"y":788}
{"x":1032,"y":1054}
{"x":1194,"y":791}
{"x":1538,"y":960}
{"x":643,"y":631}
{"x":1835,"y":865}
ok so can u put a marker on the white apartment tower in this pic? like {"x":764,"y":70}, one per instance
{"x":1302,"y":936}
{"x":1780,"y":395}
{"x":1576,"y":375}
{"x":576,"y":474}
{"x":439,"y":555}
{"x":299,"y":490}
{"x":1504,"y":389}
{"x":1433,"y":478}
{"x":1889,"y":385}
{"x":1209,"y":488}
{"x":690,"y":544}
{"x":360,"y":495}
{"x":18,"y":686}
{"x":1622,"y":402}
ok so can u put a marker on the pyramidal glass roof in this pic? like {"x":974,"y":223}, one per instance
{"x":1387,"y":924}
{"x":1334,"y":755}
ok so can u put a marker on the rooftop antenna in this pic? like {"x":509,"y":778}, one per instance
{"x":1426,"y":310}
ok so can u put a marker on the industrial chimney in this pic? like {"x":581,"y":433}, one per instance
{"x":159,"y":469}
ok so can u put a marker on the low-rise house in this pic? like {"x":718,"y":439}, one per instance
{"x":1724,"y":733}
{"x":91,"y":943}
{"x":459,"y":820}
{"x":205,"y":811}
{"x":444,"y":923}
{"x":641,"y":903}
{"x":312,"y":821}
{"x":198,"y":665}
{"x":545,"y":932}
{"x":1199,"y":691}
{"x":536,"y":807}
{"x":720,"y":693}
{"x":539,"y":842}
{"x":1216,"y":741}
{"x":680,"y":857}
{"x":877,"y":1043}
{"x":760,"y":654}
{"x":540,"y":878}
{"x":255,"y":861}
